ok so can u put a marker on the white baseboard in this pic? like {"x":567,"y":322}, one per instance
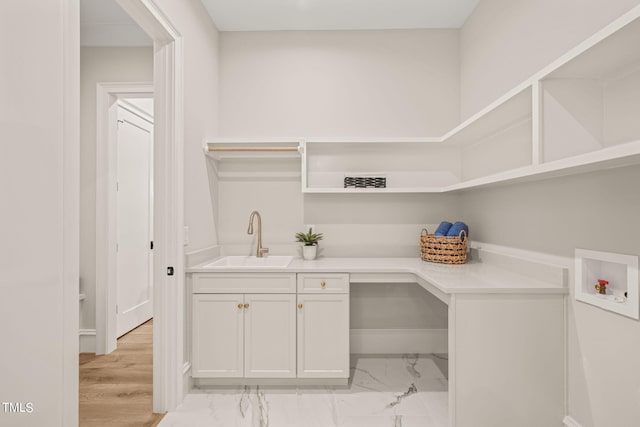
{"x":285,"y":382}
{"x":398,"y":341}
{"x":187,"y":381}
{"x":570,"y":422}
{"x":87,"y":340}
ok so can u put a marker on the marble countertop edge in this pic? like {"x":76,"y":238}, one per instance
{"x":473,"y":277}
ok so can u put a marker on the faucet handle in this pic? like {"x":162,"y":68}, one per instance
{"x":263,"y":251}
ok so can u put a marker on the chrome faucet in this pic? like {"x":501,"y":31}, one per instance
{"x":260,"y":251}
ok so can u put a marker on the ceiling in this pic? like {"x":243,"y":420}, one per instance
{"x":104,"y":23}
{"x":265,"y":15}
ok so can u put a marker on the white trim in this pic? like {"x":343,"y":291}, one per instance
{"x":124,"y":103}
{"x":168,"y":228}
{"x":398,"y":341}
{"x":204,"y":383}
{"x":570,"y":422}
{"x":69,"y":395}
{"x":187,"y":381}
{"x":107,"y":95}
{"x":168,"y":304}
{"x":87,"y":340}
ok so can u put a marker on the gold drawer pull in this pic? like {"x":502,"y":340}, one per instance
{"x":323,"y":284}
{"x":239,"y":305}
{"x":246,"y":306}
{"x":300,"y":306}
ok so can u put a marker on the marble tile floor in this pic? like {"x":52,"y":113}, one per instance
{"x":384,"y":391}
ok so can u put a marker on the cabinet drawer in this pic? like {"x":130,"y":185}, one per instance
{"x":233,"y":283}
{"x":313,"y":283}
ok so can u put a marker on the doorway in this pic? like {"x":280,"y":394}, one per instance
{"x":168,"y":208}
{"x":118,"y":273}
{"x":134,"y":213}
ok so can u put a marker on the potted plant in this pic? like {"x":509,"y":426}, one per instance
{"x":310,"y":243}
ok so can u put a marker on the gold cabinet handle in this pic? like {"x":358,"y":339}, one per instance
{"x":246,"y":306}
{"x":323,"y":284}
{"x":240,"y":305}
{"x":300,"y":306}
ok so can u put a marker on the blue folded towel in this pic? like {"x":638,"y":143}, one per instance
{"x":443,"y":228}
{"x":456,"y":228}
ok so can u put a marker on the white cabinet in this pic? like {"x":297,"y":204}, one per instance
{"x":240,"y":333}
{"x":271,"y":333}
{"x":323,"y":326}
{"x":251,"y":335}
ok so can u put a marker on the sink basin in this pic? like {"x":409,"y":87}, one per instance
{"x":251,"y":262}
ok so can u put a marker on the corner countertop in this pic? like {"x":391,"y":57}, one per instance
{"x":473,"y":277}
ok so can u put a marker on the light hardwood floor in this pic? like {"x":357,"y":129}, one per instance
{"x":116,"y":389}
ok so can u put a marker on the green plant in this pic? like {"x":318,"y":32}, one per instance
{"x":310,"y":238}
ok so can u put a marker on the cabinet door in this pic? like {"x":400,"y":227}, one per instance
{"x":218,"y":325}
{"x":323,"y":336}
{"x":270,"y":336}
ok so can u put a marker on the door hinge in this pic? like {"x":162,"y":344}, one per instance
{"x":169,"y":271}
{"x":151,"y":245}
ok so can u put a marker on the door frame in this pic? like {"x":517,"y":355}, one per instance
{"x":168,"y":210}
{"x":70,"y":158}
{"x":107,"y":97}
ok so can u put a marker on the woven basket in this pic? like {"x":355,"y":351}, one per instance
{"x":443,"y":249}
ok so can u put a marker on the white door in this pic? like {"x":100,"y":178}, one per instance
{"x":323,"y":336}
{"x":218,"y":331}
{"x":270,"y":336}
{"x":134,"y":220}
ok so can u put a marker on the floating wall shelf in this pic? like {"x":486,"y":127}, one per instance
{"x":579,"y":114}
{"x":621,"y":271}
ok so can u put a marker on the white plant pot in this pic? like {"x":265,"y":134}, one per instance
{"x":309,"y":252}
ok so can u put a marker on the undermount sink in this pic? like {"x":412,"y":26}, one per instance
{"x":251,"y":262}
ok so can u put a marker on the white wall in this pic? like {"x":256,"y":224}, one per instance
{"x":339,"y":83}
{"x":335,"y":84}
{"x":200,"y":38}
{"x":39,"y":214}
{"x":99,"y":65}
{"x":502,"y":43}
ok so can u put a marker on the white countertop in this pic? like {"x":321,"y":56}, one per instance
{"x":473,"y":277}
